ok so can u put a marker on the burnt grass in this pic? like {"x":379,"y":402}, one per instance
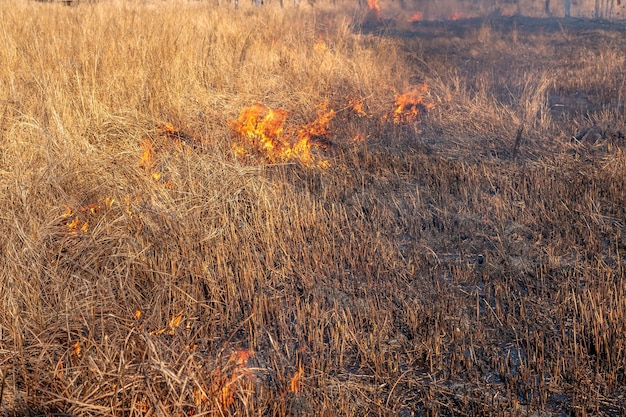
{"x":472,"y":263}
{"x":510,"y":298}
{"x":503,"y":294}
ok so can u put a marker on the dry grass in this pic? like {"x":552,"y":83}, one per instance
{"x":469,"y":262}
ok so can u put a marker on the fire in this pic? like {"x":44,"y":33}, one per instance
{"x":410,"y":105}
{"x":175,"y":322}
{"x":456,"y":16}
{"x":417,"y":16}
{"x":374,"y":6}
{"x":178,"y":136}
{"x":89,"y":208}
{"x":227,"y":385}
{"x":357,"y":105}
{"x":147,"y":160}
{"x":294,"y":384}
{"x":147,"y":154}
{"x":73,"y":225}
{"x":226,"y":381}
{"x":314,"y":133}
{"x":320,"y":46}
{"x":171,"y":327}
{"x":80,"y":216}
{"x":76,"y":350}
{"x":263,"y":132}
{"x":358,"y":138}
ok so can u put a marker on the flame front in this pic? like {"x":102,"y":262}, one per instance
{"x":263,"y":132}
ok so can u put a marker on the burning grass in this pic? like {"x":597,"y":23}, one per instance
{"x":262,"y":132}
{"x":461,"y":252}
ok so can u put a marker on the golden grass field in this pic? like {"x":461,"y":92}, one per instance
{"x":265,"y":211}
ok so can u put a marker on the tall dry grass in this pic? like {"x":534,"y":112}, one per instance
{"x":452,"y":266}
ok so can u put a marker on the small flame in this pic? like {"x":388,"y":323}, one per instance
{"x":80,"y":216}
{"x":320,"y":46}
{"x":178,"y":136}
{"x":147,"y":154}
{"x":262,"y":129}
{"x":410,"y":105}
{"x":456,"y":16}
{"x":76,"y":350}
{"x":73,"y":225}
{"x":357,"y":105}
{"x":359,"y":138}
{"x":375,"y":8}
{"x":147,"y":160}
{"x":200,"y":396}
{"x":227,"y":386}
{"x":417,"y":16}
{"x":175,"y":322}
{"x":240,"y":357}
{"x":89,"y":209}
{"x":169,"y":128}
{"x":294,"y":384}
{"x":68,"y":212}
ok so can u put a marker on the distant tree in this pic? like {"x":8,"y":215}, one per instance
{"x":567,"y":5}
{"x":605,"y":9}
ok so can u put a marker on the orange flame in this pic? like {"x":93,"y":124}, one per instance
{"x":178,"y":136}
{"x":320,"y":46}
{"x":456,"y":16}
{"x":147,"y":154}
{"x":416,"y":17}
{"x":76,"y":350}
{"x":263,"y":132}
{"x":358,"y":138}
{"x":227,"y":386}
{"x":175,"y":322}
{"x":81,"y":215}
{"x":240,"y":357}
{"x":410,"y":105}
{"x":374,"y":7}
{"x":147,"y":159}
{"x":357,"y":105}
{"x":294,"y":384}
{"x":89,"y":208}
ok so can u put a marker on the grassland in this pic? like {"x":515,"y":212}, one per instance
{"x":468,"y":261}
